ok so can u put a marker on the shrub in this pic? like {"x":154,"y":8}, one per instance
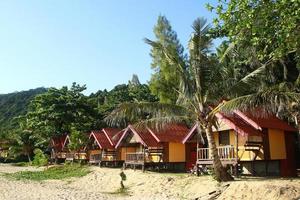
{"x":40,"y":159}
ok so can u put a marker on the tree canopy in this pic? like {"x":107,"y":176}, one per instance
{"x":164,"y":81}
{"x":272,"y":27}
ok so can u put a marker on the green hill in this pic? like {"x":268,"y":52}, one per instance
{"x":14,"y":104}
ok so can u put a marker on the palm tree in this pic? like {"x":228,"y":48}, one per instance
{"x":204,"y":84}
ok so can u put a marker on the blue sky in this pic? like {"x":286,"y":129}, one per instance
{"x":94,"y":42}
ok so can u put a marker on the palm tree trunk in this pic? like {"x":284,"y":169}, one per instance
{"x":28,"y":157}
{"x":220,"y":172}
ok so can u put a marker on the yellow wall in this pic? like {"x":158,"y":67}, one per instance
{"x":216,"y":137}
{"x":232,"y":136}
{"x":176,"y":152}
{"x":277,"y":144}
{"x":125,"y":150}
{"x":243,"y":155}
{"x":276,"y":141}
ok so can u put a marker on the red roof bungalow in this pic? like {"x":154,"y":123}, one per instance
{"x":58,"y":146}
{"x":261,"y":146}
{"x":101,"y":147}
{"x":157,"y":149}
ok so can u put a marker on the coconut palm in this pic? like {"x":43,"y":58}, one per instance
{"x":204,"y":84}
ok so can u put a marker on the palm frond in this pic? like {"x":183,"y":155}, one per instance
{"x":160,"y":123}
{"x":268,"y":100}
{"x":136,"y":112}
{"x":249,"y":81}
{"x":199,"y":46}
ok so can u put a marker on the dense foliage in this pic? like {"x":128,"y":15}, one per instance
{"x":134,"y":91}
{"x":13,"y":105}
{"x":271,"y":27}
{"x":263,"y":36}
{"x":58,"y":110}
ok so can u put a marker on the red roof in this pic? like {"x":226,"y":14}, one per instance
{"x":113,"y":134}
{"x":171,"y":133}
{"x":151,"y":138}
{"x":144,"y":136}
{"x":101,"y":140}
{"x":246,"y":123}
{"x":270,"y":121}
{"x":58,"y":142}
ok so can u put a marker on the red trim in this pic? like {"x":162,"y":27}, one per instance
{"x":153,"y":134}
{"x":247,"y":119}
{"x":121,"y":138}
{"x":231,"y":124}
{"x":93,"y":134}
{"x":189,"y":135}
{"x":67,"y":138}
{"x":107,"y":137}
{"x":124,"y":134}
{"x":132,"y":129}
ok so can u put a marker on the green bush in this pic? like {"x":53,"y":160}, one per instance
{"x":40,"y":159}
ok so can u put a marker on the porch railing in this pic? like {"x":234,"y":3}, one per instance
{"x":95,"y":158}
{"x":138,"y":157}
{"x":80,"y":156}
{"x":109,"y":156}
{"x":225,"y":153}
{"x":69,"y":156}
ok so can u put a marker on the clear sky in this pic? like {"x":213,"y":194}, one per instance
{"x":94,"y":42}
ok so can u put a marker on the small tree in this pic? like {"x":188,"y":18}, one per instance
{"x":40,"y":159}
{"x":123,"y":178}
{"x":77,"y":140}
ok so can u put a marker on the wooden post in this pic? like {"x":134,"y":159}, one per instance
{"x":197,"y":155}
{"x":101,"y":158}
{"x":237,"y":154}
{"x":266,"y":147}
{"x":144,"y":157}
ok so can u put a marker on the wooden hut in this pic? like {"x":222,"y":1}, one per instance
{"x":147,"y":148}
{"x":254,"y":145}
{"x":101,"y":147}
{"x":59,"y":147}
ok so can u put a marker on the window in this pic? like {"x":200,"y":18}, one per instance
{"x":224,"y":138}
{"x":255,"y":138}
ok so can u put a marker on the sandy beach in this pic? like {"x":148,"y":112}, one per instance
{"x":102,"y":183}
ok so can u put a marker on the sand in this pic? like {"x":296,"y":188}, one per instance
{"x":102,"y":183}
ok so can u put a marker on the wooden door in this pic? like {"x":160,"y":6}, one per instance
{"x":191,"y":155}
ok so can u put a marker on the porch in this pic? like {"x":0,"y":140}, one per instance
{"x":105,"y":157}
{"x":152,"y":157}
{"x":71,"y":156}
{"x":227,"y":154}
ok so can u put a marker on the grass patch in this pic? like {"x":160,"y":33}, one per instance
{"x":53,"y":173}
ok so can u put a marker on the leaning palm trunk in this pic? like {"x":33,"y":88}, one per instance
{"x":220,"y":172}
